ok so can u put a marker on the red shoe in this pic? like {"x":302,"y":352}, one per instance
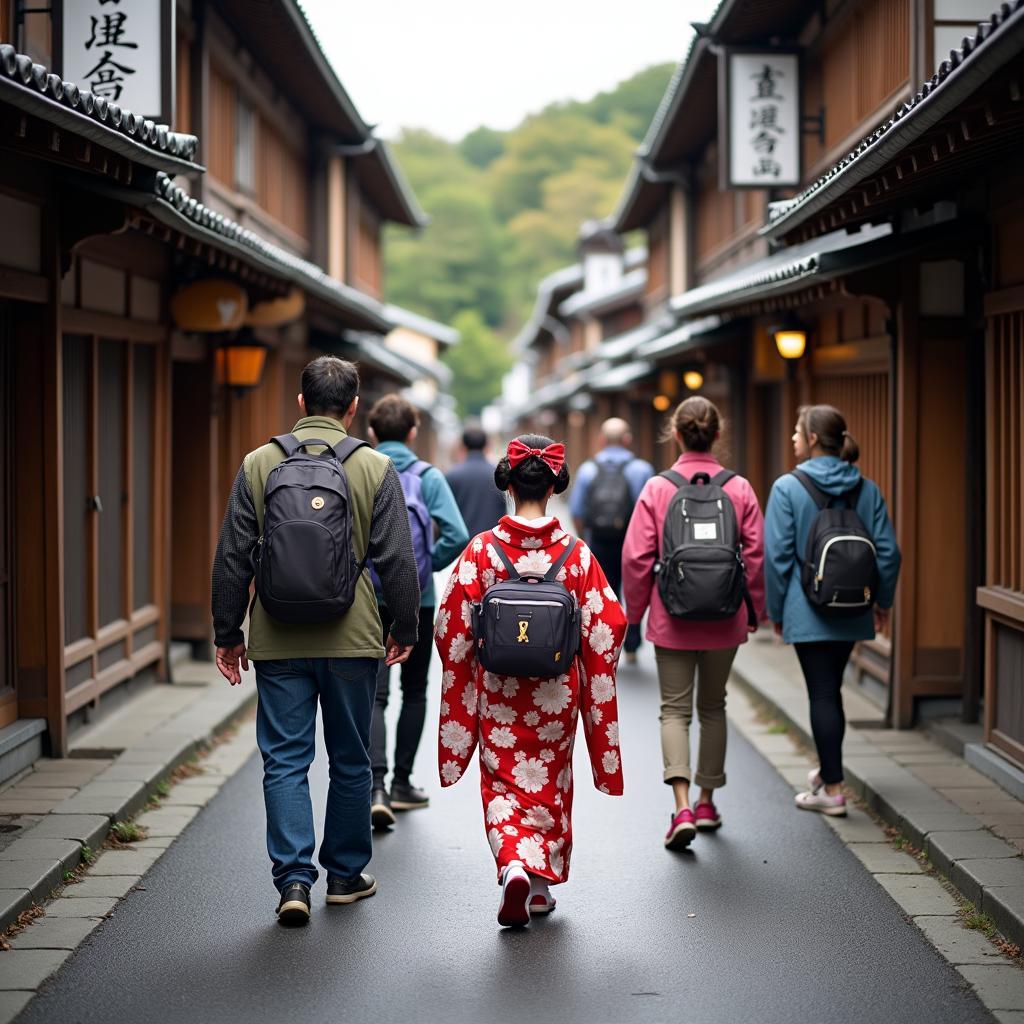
{"x":708,"y":818}
{"x":681,"y":831}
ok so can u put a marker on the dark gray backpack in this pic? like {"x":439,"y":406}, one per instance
{"x":839,"y":573}
{"x":304,"y":566}
{"x":701,"y":575}
{"x":529,"y":625}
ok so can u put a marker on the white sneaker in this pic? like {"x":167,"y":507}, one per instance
{"x":814,"y":780}
{"x":834,"y":806}
{"x":513,"y":911}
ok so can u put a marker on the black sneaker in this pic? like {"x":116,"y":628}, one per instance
{"x":348,"y":892}
{"x":406,"y":797}
{"x":294,"y":906}
{"x":381,"y":814}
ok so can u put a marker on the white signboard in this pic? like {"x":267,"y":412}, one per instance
{"x":763,"y":103}
{"x":117,"y":49}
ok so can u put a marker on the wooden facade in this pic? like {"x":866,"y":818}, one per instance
{"x":920,"y":344}
{"x":122,"y":439}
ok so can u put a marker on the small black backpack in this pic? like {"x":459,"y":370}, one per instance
{"x":529,"y":625}
{"x":701,"y":575}
{"x":304,"y":566}
{"x":839,"y":573}
{"x":609,"y":501}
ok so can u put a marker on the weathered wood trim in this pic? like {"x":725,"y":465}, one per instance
{"x":1006,"y":300}
{"x":113,"y":328}
{"x":24,"y":286}
{"x":1007,"y":604}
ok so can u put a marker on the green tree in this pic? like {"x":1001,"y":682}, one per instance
{"x":456,"y":263}
{"x":506,"y":207}
{"x":482,"y":146}
{"x":477,"y":363}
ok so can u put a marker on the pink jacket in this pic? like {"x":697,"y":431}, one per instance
{"x":642,"y":549}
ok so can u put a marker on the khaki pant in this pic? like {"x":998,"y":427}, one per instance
{"x":676,"y":673}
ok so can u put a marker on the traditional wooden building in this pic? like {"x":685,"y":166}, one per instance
{"x":582,"y":313}
{"x":891,"y":266}
{"x":153,"y":322}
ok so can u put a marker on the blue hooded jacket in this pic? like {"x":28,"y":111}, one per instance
{"x":791,"y":510}
{"x":452,"y":535}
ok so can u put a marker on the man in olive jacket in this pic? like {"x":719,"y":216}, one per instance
{"x":332,"y":662}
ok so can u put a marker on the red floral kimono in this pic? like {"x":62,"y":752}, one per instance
{"x":526,"y":728}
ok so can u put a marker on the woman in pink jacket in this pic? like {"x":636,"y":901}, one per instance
{"x":687,"y":649}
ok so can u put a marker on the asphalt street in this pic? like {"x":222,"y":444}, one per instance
{"x":787,"y":926}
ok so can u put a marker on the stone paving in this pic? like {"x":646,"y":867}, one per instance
{"x":998,"y":980}
{"x":82,"y":905}
{"x":59,"y":807}
{"x":971,"y":829}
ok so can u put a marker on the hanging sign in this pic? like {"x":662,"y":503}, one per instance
{"x":759,"y":96}
{"x":122,"y":50}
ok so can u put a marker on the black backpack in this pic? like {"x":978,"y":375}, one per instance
{"x":839,"y":573}
{"x":304,"y":566}
{"x":529,"y":625}
{"x":609,"y":501}
{"x":701,"y":575}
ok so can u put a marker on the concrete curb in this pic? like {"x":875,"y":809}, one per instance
{"x":34,"y":864}
{"x":986,"y":870}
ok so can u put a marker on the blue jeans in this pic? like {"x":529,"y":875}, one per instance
{"x":286,"y":735}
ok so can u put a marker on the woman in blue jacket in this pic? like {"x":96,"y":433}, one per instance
{"x":826,"y":452}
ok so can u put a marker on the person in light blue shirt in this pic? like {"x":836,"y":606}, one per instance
{"x":825,"y":451}
{"x":393,"y":421}
{"x":601,"y":504}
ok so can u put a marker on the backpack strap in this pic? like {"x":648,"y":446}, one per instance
{"x":496,"y":544}
{"x":677,"y":478}
{"x":852,"y":496}
{"x":551,"y":576}
{"x":722,"y":477}
{"x":290,"y":444}
{"x":418,"y":468}
{"x":346,"y":446}
{"x":818,"y":496}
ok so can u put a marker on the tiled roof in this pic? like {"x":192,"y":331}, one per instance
{"x":778,"y":273}
{"x":912,"y":118}
{"x":36,"y":90}
{"x":565,"y":277}
{"x":275,"y":259}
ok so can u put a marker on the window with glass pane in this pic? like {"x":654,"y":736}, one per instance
{"x":143,"y":390}
{"x":77,"y":414}
{"x":245,"y":145}
{"x":112,"y":484}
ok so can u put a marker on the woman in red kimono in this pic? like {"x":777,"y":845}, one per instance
{"x":526,"y":727}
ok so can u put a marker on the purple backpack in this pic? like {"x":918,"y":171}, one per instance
{"x":420,"y":523}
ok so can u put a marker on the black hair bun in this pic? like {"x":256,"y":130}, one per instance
{"x":502,"y":474}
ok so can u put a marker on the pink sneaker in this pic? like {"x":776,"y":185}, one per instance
{"x":834,"y":806}
{"x":708,"y":818}
{"x":681,"y":831}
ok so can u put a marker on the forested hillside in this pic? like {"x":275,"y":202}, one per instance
{"x":505,"y":210}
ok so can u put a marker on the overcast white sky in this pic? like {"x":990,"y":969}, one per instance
{"x":450,"y":65}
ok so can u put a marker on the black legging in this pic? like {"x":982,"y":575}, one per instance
{"x":414,"y":704}
{"x":823,"y":663}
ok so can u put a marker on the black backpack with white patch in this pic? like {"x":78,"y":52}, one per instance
{"x":529,"y":624}
{"x":701,"y":575}
{"x":839,"y":574}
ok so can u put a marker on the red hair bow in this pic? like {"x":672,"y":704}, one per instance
{"x":553,"y":456}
